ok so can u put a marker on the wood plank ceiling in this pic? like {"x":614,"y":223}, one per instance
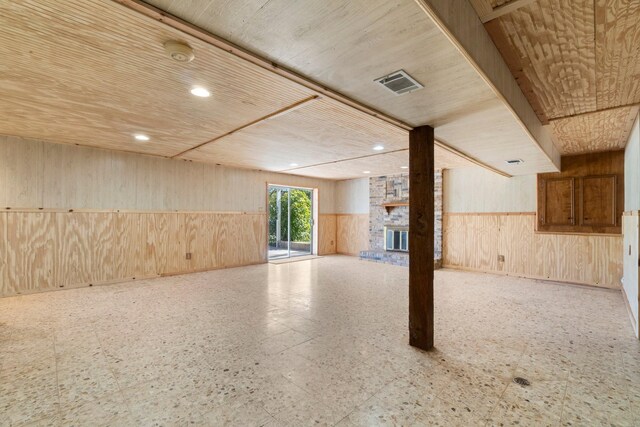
{"x":344,"y":46}
{"x":578,"y":63}
{"x":95,"y":73}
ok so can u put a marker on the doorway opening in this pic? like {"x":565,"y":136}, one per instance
{"x":291,"y":212}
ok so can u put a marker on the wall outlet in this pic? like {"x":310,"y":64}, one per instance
{"x":500,"y":258}
{"x":188,"y":256}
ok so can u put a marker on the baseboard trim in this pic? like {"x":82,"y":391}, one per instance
{"x":632,"y":318}
{"x":545,"y":279}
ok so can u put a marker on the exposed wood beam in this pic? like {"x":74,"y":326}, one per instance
{"x":421,"y":233}
{"x":470,"y":159}
{"x":459,"y":22}
{"x":570,"y":116}
{"x":482,"y":7}
{"x":512,"y":6}
{"x":199,"y":33}
{"x":280,"y":112}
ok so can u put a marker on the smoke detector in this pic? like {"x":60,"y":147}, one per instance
{"x":178,"y":51}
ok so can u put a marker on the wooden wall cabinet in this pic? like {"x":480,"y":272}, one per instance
{"x":586,"y":197}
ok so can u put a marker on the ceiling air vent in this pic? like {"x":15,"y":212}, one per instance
{"x":515,"y":162}
{"x":399,"y":82}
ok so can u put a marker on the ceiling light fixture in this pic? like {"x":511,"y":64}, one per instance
{"x":141,"y":137}
{"x":200,"y":91}
{"x":366,"y":171}
{"x":293,"y":165}
{"x":378,"y":148}
{"x":404,"y":167}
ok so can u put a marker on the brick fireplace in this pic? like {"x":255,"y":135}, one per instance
{"x":389,"y":210}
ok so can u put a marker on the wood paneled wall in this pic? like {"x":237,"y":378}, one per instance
{"x":474,"y":241}
{"x":45,"y":250}
{"x":327,"y":234}
{"x":37,"y":174}
{"x":631,"y":256}
{"x":352,"y":233}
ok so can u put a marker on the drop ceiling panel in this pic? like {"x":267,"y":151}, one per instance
{"x":94,"y":72}
{"x":320,"y":131}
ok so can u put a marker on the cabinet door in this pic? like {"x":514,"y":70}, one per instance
{"x":598,"y":200}
{"x":558,"y":201}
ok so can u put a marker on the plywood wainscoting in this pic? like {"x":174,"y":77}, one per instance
{"x":45,"y":250}
{"x":474,"y":241}
{"x":352,"y":233}
{"x":327,"y":234}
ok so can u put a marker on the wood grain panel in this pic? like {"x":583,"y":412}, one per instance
{"x":254,"y":248}
{"x":618,"y":52}
{"x":601,"y":131}
{"x":31,"y":252}
{"x":552,"y":43}
{"x":327,"y":234}
{"x":587,"y":259}
{"x":49,"y":250}
{"x":4,"y":262}
{"x":157,"y":245}
{"x":572,"y":58}
{"x":94,"y":72}
{"x":352,"y":233}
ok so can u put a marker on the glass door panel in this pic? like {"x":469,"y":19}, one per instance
{"x":290,"y":221}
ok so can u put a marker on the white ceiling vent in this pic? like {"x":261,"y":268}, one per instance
{"x":399,"y":82}
{"x":515,"y":162}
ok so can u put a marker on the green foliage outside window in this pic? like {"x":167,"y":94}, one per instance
{"x":300,"y":215}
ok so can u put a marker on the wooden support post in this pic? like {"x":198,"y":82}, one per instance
{"x":421,"y":234}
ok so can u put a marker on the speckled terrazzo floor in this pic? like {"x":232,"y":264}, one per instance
{"x":318,"y":342}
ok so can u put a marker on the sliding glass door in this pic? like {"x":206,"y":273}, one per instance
{"x":290,"y":221}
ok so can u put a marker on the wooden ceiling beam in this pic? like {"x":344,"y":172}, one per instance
{"x":504,"y":9}
{"x":469,"y":158}
{"x":458,"y":21}
{"x":269,"y":116}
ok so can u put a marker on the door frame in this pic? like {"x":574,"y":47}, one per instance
{"x":315,"y":214}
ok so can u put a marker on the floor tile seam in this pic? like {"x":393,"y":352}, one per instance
{"x":506,"y":387}
{"x":59,"y":406}
{"x":113,"y":374}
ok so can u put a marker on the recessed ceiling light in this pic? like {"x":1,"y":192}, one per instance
{"x":366,"y":171}
{"x":378,"y":148}
{"x":293,"y":165}
{"x":404,"y":167}
{"x":200,"y":91}
{"x":141,"y":137}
